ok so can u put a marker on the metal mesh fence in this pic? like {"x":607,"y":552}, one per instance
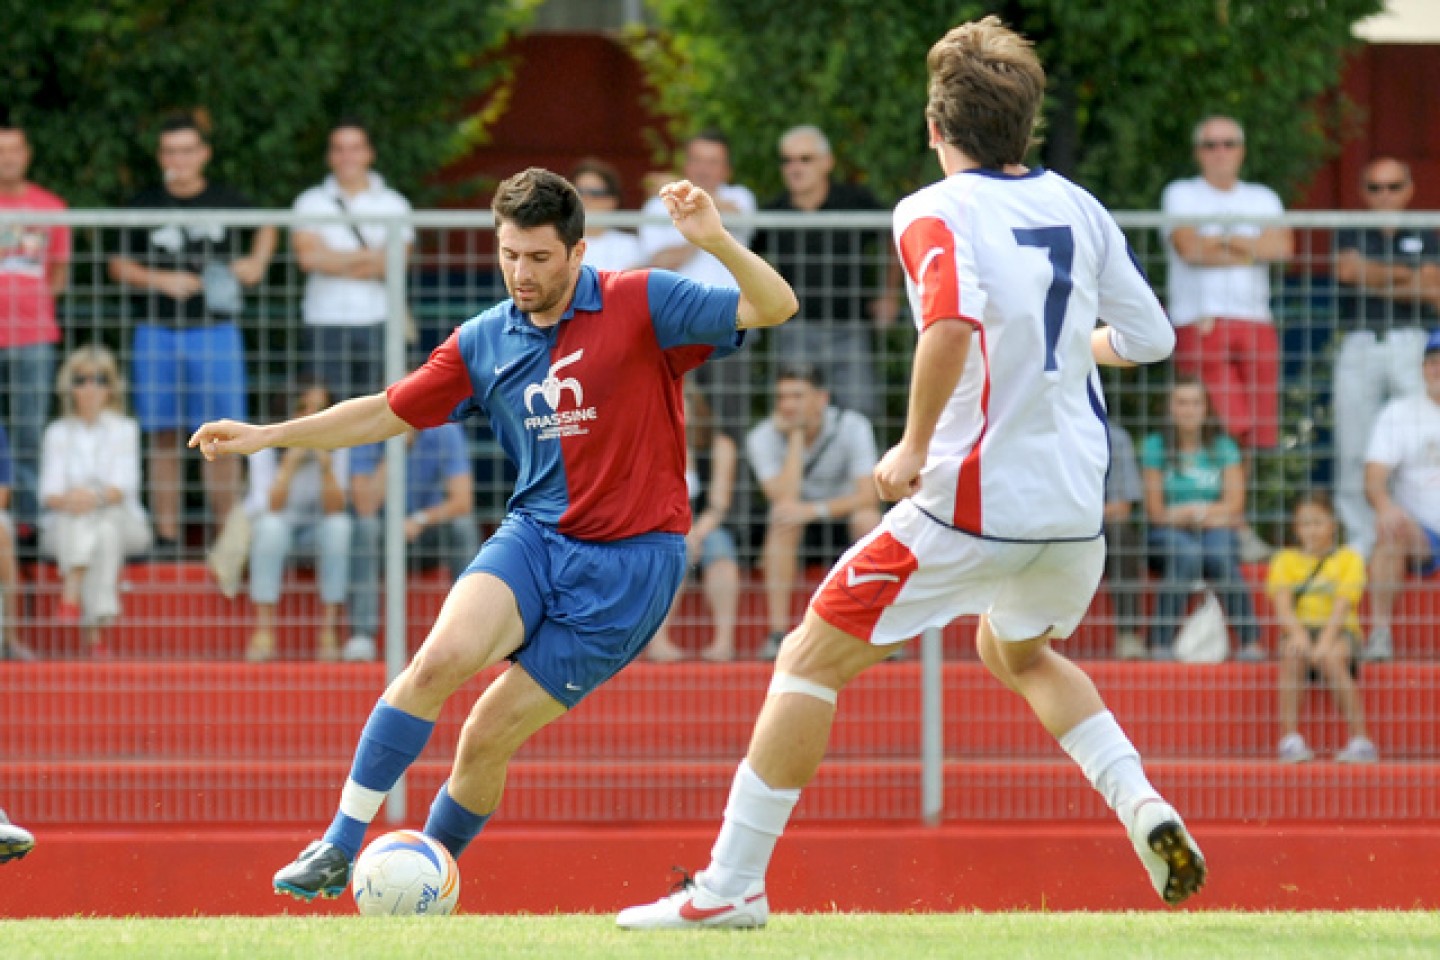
{"x":148,"y":712}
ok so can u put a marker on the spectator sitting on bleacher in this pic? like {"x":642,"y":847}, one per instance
{"x":814,"y":462}
{"x":297,"y":505}
{"x":1402,"y":481}
{"x":1195,"y":501}
{"x":90,"y":491}
{"x":1123,"y":551}
{"x":1316,"y":592}
{"x":439,"y":520}
{"x":11,"y":647}
{"x":711,"y":463}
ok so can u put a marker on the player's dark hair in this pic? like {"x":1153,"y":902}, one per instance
{"x":986,"y":91}
{"x":5,"y":121}
{"x":536,"y":197}
{"x":182,"y":121}
{"x":800,"y":370}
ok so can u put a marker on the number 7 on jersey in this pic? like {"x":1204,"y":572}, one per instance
{"x":1059,"y":244}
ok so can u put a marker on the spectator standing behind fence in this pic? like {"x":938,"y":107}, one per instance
{"x":90,"y":489}
{"x":34,"y":270}
{"x":1388,"y":279}
{"x":1316,"y":592}
{"x":346,"y":303}
{"x":1402,"y":481}
{"x":297,"y":506}
{"x":606,"y":248}
{"x":726,"y":381}
{"x":1195,"y":501}
{"x":711,"y":465}
{"x":439,"y":520}
{"x":814,"y":461}
{"x":11,"y":647}
{"x":829,"y":272}
{"x":188,"y":358}
{"x":1123,"y":551}
{"x":1220,"y":290}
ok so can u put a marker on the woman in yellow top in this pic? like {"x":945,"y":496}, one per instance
{"x":1316,"y":592}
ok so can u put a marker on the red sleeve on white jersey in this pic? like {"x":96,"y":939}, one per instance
{"x":927,"y":248}
{"x":426,"y":397}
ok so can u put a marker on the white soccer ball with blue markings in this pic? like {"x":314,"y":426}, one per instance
{"x":405,"y":873}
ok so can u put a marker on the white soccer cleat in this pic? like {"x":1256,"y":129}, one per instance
{"x":1169,"y":853}
{"x":692,"y":905}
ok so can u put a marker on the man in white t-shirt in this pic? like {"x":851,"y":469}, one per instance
{"x":346,"y":304}
{"x":1220,"y":284}
{"x":707,"y":165}
{"x":1000,"y":476}
{"x":814,"y":462}
{"x":1402,"y":482}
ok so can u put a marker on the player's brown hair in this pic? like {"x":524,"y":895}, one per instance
{"x":986,"y":90}
{"x":536,"y":197}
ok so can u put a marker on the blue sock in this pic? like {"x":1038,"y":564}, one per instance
{"x":390,"y":742}
{"x":451,"y":824}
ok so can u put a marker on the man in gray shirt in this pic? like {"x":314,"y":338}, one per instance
{"x":814,"y":462}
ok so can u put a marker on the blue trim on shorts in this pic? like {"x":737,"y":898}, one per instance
{"x":589,"y":608}
{"x":1432,"y":563}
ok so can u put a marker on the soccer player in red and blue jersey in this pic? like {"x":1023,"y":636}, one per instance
{"x":580,"y":375}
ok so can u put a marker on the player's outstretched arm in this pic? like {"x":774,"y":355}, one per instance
{"x":766,"y":300}
{"x":350,"y":424}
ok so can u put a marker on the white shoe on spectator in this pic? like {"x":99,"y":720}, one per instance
{"x":358,"y":649}
{"x":1381,"y":646}
{"x":1252,"y":548}
{"x":1358,"y":750}
{"x":1131,"y":646}
{"x":1294,"y":750}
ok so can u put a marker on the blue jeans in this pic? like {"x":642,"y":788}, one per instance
{"x":30,"y":380}
{"x":454,"y":544}
{"x":274,"y":539}
{"x":1190,"y":556}
{"x":349,"y":361}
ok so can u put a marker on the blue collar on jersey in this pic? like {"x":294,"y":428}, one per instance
{"x":1002,"y":175}
{"x":586,"y":297}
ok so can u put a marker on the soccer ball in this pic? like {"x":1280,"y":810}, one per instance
{"x":403,"y":873}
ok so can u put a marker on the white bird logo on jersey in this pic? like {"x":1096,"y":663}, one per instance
{"x":552,"y":387}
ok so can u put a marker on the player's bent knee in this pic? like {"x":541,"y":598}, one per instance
{"x":820,"y":653}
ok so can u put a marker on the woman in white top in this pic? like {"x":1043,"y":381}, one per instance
{"x":605,"y":249}
{"x":90,"y":490}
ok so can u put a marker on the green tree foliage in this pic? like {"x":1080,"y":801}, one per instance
{"x":91,"y":83}
{"x":1129,"y":78}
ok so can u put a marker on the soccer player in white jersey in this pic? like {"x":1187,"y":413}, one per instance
{"x":1000,"y":477}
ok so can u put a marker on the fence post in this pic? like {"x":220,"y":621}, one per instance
{"x":932,"y":727}
{"x":395,"y":625}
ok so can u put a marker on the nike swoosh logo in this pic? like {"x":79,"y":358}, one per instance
{"x":852,"y":580}
{"x":571,"y":686}
{"x":696,"y":914}
{"x":501,"y":371}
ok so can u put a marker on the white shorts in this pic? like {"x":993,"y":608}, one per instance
{"x":912,"y":573}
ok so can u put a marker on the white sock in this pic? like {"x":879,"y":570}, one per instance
{"x":1110,"y":762}
{"x":754,"y":819}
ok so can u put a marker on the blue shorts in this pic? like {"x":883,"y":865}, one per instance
{"x":589,"y":608}
{"x":183,"y":378}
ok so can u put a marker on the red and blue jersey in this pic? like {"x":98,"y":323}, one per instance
{"x":589,"y":410}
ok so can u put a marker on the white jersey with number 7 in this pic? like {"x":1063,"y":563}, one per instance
{"x":1032,"y":262}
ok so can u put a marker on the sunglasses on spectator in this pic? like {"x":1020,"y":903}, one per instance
{"x":787,"y":159}
{"x":1383,"y":186}
{"x":84,"y":379}
{"x":1230,"y":144}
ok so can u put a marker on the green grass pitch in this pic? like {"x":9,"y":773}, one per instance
{"x":973,"y":936}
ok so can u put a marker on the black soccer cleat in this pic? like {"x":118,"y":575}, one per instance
{"x":321,"y":870}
